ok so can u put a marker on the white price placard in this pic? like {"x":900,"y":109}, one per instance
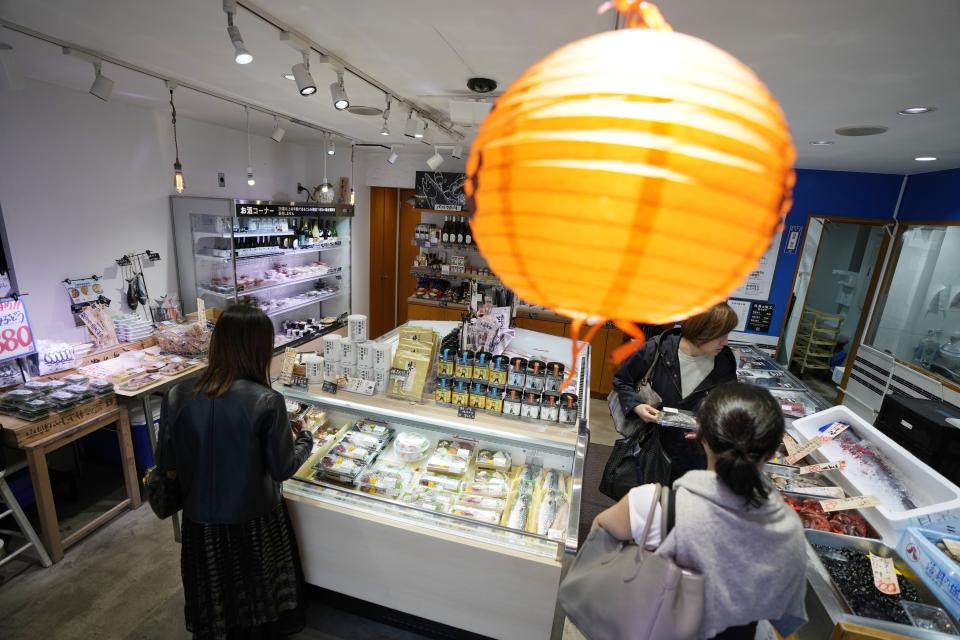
{"x":16,"y":337}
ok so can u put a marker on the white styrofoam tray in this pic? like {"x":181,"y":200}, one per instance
{"x":932,"y":492}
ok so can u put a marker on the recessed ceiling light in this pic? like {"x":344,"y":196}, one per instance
{"x":821,"y":143}
{"x":925,"y":158}
{"x":914,"y":111}
{"x":861,"y":130}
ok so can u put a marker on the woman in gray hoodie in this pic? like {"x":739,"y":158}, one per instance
{"x":731,"y":525}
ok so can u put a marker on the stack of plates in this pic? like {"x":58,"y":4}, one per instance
{"x":131,"y":328}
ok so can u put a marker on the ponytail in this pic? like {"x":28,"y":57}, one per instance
{"x":743,"y":426}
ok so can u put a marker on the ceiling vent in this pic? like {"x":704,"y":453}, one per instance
{"x":861,"y":130}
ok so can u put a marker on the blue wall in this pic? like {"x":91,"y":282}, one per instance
{"x":932,"y":196}
{"x":834,"y":193}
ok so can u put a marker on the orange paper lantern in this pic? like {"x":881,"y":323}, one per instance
{"x":637,"y":175}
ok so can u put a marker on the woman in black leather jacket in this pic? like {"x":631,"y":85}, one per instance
{"x":229,"y":441}
{"x":693,"y":360}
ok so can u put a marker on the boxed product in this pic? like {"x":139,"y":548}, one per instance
{"x":410,"y":446}
{"x":452,"y":456}
{"x":934,"y":556}
{"x":339,"y":469}
{"x":493,"y":459}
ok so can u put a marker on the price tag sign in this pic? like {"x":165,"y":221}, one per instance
{"x":16,"y":337}
{"x":361,"y":386}
{"x":820,"y":468}
{"x":329,"y":387}
{"x":469,"y":413}
{"x":789,"y":443}
{"x":286,"y":368}
{"x":884,"y":575}
{"x":816,"y":442}
{"x":835,"y":429}
{"x":820,"y":492}
{"x":201,"y":312}
{"x":858,"y":502}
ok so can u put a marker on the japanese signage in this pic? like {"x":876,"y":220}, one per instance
{"x":440,"y":191}
{"x":761,"y":313}
{"x":757,"y":284}
{"x":16,"y":337}
{"x":292,"y":209}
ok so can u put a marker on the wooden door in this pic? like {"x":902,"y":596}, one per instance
{"x":383,"y":260}
{"x":406,"y":253}
{"x":551,"y":327}
{"x":598,"y":351}
{"x":615,"y":338}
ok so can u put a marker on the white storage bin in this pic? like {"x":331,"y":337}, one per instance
{"x":928,"y":490}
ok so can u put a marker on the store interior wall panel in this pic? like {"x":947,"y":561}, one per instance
{"x":931,"y":196}
{"x":501,"y":595}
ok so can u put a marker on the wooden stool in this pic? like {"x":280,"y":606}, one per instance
{"x":13,"y":508}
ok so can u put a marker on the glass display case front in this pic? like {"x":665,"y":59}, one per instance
{"x":918,"y":315}
{"x":292,"y":261}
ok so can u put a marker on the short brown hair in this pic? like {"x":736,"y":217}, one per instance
{"x":717,"y":321}
{"x":241,"y":348}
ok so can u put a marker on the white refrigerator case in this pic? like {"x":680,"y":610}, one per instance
{"x":483,"y":578}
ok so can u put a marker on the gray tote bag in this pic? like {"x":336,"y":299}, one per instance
{"x":618,"y":590}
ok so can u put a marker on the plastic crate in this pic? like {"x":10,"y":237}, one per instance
{"x":938,"y":571}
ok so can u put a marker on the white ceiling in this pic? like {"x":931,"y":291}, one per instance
{"x":832,"y":63}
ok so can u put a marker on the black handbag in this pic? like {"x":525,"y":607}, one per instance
{"x":626,"y":425}
{"x":163,"y":492}
{"x":639,"y":459}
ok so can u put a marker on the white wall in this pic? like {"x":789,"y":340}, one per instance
{"x":83,"y":181}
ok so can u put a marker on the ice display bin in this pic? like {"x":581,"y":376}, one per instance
{"x":933,"y":494}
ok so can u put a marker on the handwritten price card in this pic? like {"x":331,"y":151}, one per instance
{"x":16,"y":337}
{"x":840,"y":465}
{"x":884,"y":575}
{"x":816,"y":442}
{"x":858,"y":502}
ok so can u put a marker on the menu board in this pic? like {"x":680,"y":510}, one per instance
{"x":758,"y":283}
{"x":440,"y":191}
{"x":291,"y":209}
{"x":761,"y":313}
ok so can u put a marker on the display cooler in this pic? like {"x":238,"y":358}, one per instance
{"x":290,"y":259}
{"x":477,"y":557}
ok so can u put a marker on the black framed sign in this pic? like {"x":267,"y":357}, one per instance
{"x":441,"y":191}
{"x":761,"y":313}
{"x":247,"y":208}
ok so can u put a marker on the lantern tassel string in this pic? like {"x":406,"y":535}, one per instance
{"x":624,"y":351}
{"x":576,"y":325}
{"x":639,"y":14}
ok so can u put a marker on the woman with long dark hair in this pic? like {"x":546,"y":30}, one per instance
{"x":229,"y":441}
{"x":731,"y":525}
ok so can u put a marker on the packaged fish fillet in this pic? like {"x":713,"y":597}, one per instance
{"x":552,"y":513}
{"x":481,"y":515}
{"x":492,"y":459}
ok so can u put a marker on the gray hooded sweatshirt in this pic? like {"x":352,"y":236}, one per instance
{"x":753,"y":559}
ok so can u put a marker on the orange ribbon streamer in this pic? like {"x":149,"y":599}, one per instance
{"x":638,"y":13}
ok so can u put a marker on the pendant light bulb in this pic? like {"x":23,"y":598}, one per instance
{"x":353,"y":196}
{"x":178,"y":177}
{"x":385,"y":130}
{"x":331,"y":147}
{"x":178,"y":183}
{"x":324,"y":187}
{"x":250,"y":180}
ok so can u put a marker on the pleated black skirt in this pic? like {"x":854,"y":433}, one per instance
{"x":242,"y":580}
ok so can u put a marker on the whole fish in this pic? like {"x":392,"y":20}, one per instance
{"x":550,"y":506}
{"x":552,"y":480}
{"x":529,"y":473}
{"x":519,"y":512}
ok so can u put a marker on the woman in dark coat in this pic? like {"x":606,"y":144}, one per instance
{"x":229,"y":441}
{"x":694,"y":359}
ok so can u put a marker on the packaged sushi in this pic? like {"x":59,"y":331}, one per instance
{"x":481,"y":515}
{"x":452,"y":456}
{"x":339,"y":468}
{"x":494,"y":484}
{"x":493,"y":459}
{"x":375,"y":428}
{"x":361,"y":439}
{"x":347,"y":450}
{"x":440,"y":481}
{"x":75,"y":378}
{"x":427,"y":498}
{"x":410,"y":446}
{"x":386,"y":477}
{"x":477,"y":501}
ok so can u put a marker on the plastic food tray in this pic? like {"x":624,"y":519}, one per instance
{"x":935,"y":493}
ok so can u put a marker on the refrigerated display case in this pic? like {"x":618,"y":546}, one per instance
{"x":292,"y":260}
{"x":399,"y":524}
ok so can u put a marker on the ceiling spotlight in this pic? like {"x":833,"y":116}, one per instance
{"x":821,"y":143}
{"x":331,"y":147}
{"x":412,"y":126}
{"x":915,"y":111}
{"x":435,"y":160}
{"x":338,"y":93}
{"x":102,"y":86}
{"x":240,"y":53}
{"x":420,"y":129}
{"x":278,"y":131}
{"x":301,"y":73}
{"x":926,"y":159}
{"x":457,"y":151}
{"x":384,"y":130}
{"x":392,"y":158}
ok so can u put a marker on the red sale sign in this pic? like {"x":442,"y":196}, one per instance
{"x":16,"y":338}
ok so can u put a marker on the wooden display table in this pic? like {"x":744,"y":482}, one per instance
{"x":37,"y":439}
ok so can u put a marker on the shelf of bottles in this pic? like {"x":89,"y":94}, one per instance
{"x":295,"y":268}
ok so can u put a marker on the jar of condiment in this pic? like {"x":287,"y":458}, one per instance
{"x":444,"y":391}
{"x":460,"y":395}
{"x":536,"y":370}
{"x":478,"y":394}
{"x":494,"y":399}
{"x":464,"y":366}
{"x":497,"y":371}
{"x":550,"y":407}
{"x":517,"y":374}
{"x":481,"y":364}
{"x":447,"y":359}
{"x":569,"y":408}
{"x":512,"y":400}
{"x":531,"y":405}
{"x":554,"y":379}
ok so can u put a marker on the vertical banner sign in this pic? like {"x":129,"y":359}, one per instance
{"x":201,"y":312}
{"x":793,"y":240}
{"x":16,"y":337}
